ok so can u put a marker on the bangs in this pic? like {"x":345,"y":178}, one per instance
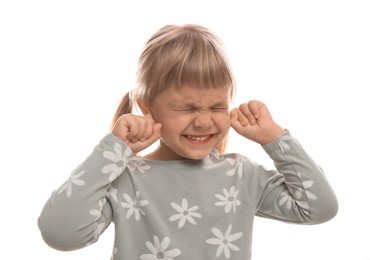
{"x":191,"y":56}
{"x":198,"y":62}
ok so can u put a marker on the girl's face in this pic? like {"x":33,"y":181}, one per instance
{"x":194,"y":121}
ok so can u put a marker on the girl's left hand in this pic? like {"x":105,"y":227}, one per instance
{"x":254,"y":121}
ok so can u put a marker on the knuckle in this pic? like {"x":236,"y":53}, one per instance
{"x":150,"y":120}
{"x":243,"y":106}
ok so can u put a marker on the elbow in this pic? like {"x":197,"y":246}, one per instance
{"x":327,"y":211}
{"x":60,"y":237}
{"x":325,"y":216}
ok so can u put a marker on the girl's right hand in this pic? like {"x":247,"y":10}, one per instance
{"x":138,"y":132}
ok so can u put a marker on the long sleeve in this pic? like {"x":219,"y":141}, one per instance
{"x":299,"y":191}
{"x":186,"y":208}
{"x":80,"y":210}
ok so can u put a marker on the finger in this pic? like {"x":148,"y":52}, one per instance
{"x":243,"y":117}
{"x":235,"y":122}
{"x":246,"y":112}
{"x":254,"y":107}
{"x":148,"y":131}
{"x":145,"y":129}
{"x":233,"y":115}
{"x":136,"y":128}
{"x":157,"y":130}
{"x":155,"y":135}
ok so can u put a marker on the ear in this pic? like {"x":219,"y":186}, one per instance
{"x":143,"y":107}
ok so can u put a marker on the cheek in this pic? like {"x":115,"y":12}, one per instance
{"x":173,"y":123}
{"x":222,"y":121}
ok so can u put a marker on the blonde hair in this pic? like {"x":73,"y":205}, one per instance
{"x":178,"y":55}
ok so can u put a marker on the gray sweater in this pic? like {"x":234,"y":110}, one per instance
{"x":183,"y":209}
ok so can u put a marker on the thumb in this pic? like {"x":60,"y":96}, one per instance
{"x":234,"y":119}
{"x":156,"y":134}
{"x":157,"y":130}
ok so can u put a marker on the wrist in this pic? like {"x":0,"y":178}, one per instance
{"x":273,"y":135}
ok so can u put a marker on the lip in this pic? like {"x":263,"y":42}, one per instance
{"x":199,"y":139}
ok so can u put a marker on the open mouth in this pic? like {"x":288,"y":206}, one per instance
{"x":199,"y":139}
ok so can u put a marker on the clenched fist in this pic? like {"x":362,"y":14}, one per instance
{"x":253,"y":121}
{"x":138,"y":132}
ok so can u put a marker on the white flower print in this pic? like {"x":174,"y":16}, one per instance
{"x":185,"y":213}
{"x":224,"y":241}
{"x":309,"y":194}
{"x":237,"y":167}
{"x":306,"y":185}
{"x":283,"y":142}
{"x":119,"y":159}
{"x":229,"y":199}
{"x":215,"y":153}
{"x":287,"y":198}
{"x":137,"y":163}
{"x":209,"y":160}
{"x":158,"y":250}
{"x":74,"y":179}
{"x":97,"y":212}
{"x":98,"y":230}
{"x":134,"y":206}
{"x":290,"y":201}
{"x":113,"y":193}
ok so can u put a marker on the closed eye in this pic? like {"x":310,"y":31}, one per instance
{"x":184,"y":109}
{"x":219,"y":109}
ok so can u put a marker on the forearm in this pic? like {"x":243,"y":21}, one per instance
{"x":77,"y":212}
{"x":305,"y":192}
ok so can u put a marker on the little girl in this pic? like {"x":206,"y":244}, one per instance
{"x":186,"y":199}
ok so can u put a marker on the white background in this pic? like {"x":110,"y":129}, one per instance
{"x":65,"y":64}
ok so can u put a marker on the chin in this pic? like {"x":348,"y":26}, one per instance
{"x":196,"y":156}
{"x":183,"y":152}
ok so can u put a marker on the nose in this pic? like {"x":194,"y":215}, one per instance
{"x":203,"y":119}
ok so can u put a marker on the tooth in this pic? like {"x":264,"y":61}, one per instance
{"x":198,"y":138}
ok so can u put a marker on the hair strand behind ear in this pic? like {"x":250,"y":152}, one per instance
{"x":124,"y":107}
